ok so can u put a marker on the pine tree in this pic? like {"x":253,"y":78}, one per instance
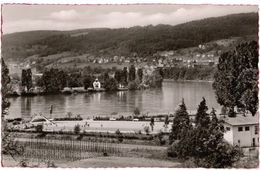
{"x":181,"y":123}
{"x":202,"y":117}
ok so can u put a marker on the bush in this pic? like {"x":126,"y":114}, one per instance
{"x":77,"y":129}
{"x":39,"y":128}
{"x":137,"y":112}
{"x":172,"y":149}
{"x":50,"y":164}
{"x":147,"y":130}
{"x":132,"y":85}
{"x":118,"y":132}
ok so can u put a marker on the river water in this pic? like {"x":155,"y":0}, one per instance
{"x":163,"y":100}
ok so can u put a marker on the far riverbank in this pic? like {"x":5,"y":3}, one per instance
{"x":195,"y":81}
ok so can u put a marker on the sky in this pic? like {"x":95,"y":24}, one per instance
{"x":17,"y":18}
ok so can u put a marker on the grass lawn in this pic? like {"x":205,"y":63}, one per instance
{"x":99,"y":162}
{"x":110,"y":162}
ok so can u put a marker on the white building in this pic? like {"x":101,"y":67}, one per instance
{"x":242,"y":130}
{"x":96,"y":84}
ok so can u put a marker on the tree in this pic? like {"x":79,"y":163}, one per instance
{"x":110,"y":84}
{"x":87,"y":81}
{"x":136,"y":112}
{"x":152,"y":123}
{"x":125,"y":76}
{"x":5,"y":80}
{"x":204,"y":145}
{"x":140,"y":74}
{"x":132,"y":73}
{"x":181,"y":123}
{"x":8,"y":145}
{"x":27,"y":78}
{"x":235,"y":81}
{"x":118,"y":76}
{"x":53,"y":80}
{"x":166,"y":121}
{"x":202,"y":117}
{"x":74,"y":80}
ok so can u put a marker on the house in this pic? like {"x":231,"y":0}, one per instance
{"x":96,"y":84}
{"x":242,"y":130}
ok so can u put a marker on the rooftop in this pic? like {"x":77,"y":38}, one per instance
{"x":242,"y":120}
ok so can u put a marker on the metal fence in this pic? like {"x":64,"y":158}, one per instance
{"x":71,"y":150}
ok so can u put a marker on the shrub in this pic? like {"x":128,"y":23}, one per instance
{"x":50,"y":164}
{"x":120,"y":138}
{"x":39,"y":128}
{"x":77,"y":129}
{"x":172,"y":149}
{"x":23,"y":163}
{"x":132,"y":85}
{"x":147,"y":130}
{"x":118,"y":132}
{"x":137,"y":112}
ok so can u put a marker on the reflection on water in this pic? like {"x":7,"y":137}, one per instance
{"x":162,"y":100}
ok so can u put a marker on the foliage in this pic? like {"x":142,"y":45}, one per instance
{"x":147,"y":130}
{"x":235,"y":81}
{"x":74,"y":80}
{"x":152,"y":123}
{"x":132,"y":85}
{"x":181,"y":123}
{"x":87,"y":81}
{"x":77,"y":129}
{"x":27,"y":78}
{"x":131,"y":74}
{"x":39,"y":128}
{"x":69,"y":114}
{"x":204,"y":144}
{"x":53,"y":80}
{"x":183,"y":73}
{"x":247,"y":163}
{"x":118,"y":132}
{"x":166,"y":121}
{"x":140,"y":74}
{"x":5,"y":80}
{"x":137,"y":112}
{"x":202,"y":117}
{"x":110,"y":84}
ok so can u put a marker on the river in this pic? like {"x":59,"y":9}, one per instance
{"x":163,"y":100}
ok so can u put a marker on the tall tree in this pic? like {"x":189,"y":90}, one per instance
{"x":181,"y":123}
{"x":118,"y":76}
{"x":5,"y":80}
{"x":202,"y":117}
{"x":27,"y":78}
{"x":235,"y":81}
{"x":125,"y":76}
{"x":140,"y":74}
{"x":132,"y":73}
{"x":87,"y":81}
{"x":8,"y":145}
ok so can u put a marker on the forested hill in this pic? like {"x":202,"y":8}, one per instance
{"x":125,"y":41}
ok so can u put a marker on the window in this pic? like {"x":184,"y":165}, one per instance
{"x":253,"y":142}
{"x":256,"y":130}
{"x":240,"y":129}
{"x":227,"y":128}
{"x":247,"y":128}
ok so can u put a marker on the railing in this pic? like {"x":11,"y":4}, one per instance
{"x":71,"y":150}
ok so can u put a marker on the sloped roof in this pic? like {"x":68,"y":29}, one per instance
{"x":242,"y":120}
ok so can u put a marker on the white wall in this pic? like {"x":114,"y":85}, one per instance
{"x":228,"y":135}
{"x":245,"y":137}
